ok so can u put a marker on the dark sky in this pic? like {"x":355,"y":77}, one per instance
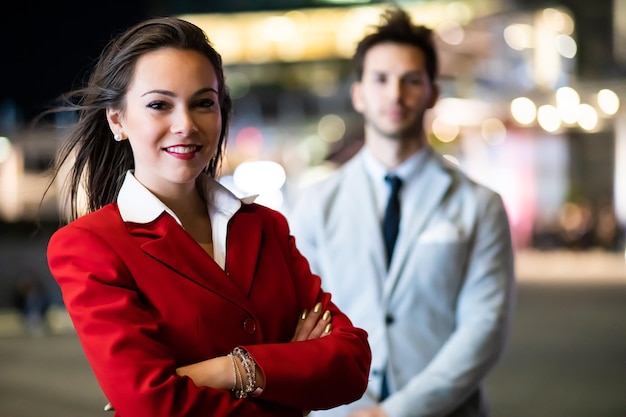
{"x":47,"y":50}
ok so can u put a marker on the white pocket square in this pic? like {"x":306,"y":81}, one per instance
{"x":441,"y":232}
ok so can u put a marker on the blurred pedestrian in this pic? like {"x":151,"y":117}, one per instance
{"x":32,"y":301}
{"x":412,"y":250}
{"x":187,"y":300}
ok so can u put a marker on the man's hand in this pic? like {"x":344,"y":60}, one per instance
{"x":312,"y":324}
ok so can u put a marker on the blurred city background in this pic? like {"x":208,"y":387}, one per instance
{"x":531,"y":105}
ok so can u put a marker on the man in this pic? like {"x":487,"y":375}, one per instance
{"x":438,"y":310}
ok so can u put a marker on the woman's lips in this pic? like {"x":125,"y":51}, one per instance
{"x":185,"y":152}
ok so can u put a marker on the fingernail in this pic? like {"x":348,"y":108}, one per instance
{"x":303,"y":315}
{"x":327,"y":328}
{"x":326,"y":315}
{"x":317,"y":308}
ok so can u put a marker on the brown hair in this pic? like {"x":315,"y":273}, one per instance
{"x":396,"y":26}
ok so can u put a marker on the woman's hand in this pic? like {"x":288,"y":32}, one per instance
{"x":217,"y":372}
{"x":313,"y":324}
{"x":214,"y":373}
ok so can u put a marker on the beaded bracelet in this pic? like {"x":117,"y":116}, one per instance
{"x":250,"y":368}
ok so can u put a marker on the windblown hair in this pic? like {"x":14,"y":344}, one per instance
{"x":396,"y":27}
{"x":100,"y":163}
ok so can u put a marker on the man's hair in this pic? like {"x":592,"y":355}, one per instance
{"x":396,"y":27}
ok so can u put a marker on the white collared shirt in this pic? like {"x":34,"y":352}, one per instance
{"x":138,"y":205}
{"x":406,"y":171}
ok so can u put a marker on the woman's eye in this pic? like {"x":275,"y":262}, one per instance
{"x":205,"y":103}
{"x":157,"y":105}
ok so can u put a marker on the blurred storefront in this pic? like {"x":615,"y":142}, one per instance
{"x":517,"y":111}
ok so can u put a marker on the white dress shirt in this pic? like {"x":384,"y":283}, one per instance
{"x":137,"y":204}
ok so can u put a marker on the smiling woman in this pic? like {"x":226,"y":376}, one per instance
{"x":194,"y":293}
{"x":172,"y":120}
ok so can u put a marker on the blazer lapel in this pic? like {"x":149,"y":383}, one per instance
{"x":243,"y":247}
{"x":168,"y":243}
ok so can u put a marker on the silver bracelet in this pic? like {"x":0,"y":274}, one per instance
{"x":250,"y":368}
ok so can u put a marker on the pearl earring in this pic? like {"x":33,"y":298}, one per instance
{"x":117,"y":137}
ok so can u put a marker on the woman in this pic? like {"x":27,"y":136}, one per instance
{"x":187,"y":300}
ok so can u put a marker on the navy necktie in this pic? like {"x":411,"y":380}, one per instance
{"x":391,"y":221}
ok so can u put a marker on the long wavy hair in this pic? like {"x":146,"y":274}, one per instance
{"x":100,"y":163}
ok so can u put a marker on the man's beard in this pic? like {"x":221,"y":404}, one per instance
{"x":409,"y":132}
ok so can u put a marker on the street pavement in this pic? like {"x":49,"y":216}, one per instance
{"x":566,"y":355}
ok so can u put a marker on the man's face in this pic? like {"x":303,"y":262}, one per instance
{"x":395,"y":91}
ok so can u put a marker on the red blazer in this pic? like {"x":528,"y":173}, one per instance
{"x":146,"y":299}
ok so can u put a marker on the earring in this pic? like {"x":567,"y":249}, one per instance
{"x":117,"y":137}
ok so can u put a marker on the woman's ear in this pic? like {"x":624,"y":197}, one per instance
{"x":114,"y":117}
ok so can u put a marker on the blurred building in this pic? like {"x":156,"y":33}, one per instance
{"x":530,"y":106}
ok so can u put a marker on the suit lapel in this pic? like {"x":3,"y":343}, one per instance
{"x":362,"y":214}
{"x":421,"y":200}
{"x":424,"y":195}
{"x":168,"y":243}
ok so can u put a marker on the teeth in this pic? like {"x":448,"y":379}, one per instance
{"x":181,"y":149}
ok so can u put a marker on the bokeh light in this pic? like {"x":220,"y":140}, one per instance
{"x":523,"y":110}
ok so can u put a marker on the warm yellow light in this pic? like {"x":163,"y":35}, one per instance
{"x":316,"y":33}
{"x":608,"y":101}
{"x":588,"y":117}
{"x":523,"y":110}
{"x":559,"y":21}
{"x":567,"y":102}
{"x":445,"y":130}
{"x":519,"y":36}
{"x":278,"y":28}
{"x":548,"y":118}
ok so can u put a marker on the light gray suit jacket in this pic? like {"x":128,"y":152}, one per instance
{"x":439,"y":316}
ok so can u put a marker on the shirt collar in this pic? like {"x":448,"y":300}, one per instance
{"x":406,"y":170}
{"x":138,"y":205}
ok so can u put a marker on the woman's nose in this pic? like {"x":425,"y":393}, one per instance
{"x":183,"y":124}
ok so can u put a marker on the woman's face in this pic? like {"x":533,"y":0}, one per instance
{"x":171,"y":117}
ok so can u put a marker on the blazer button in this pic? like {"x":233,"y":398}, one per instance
{"x":389,"y":319}
{"x":249,"y":326}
